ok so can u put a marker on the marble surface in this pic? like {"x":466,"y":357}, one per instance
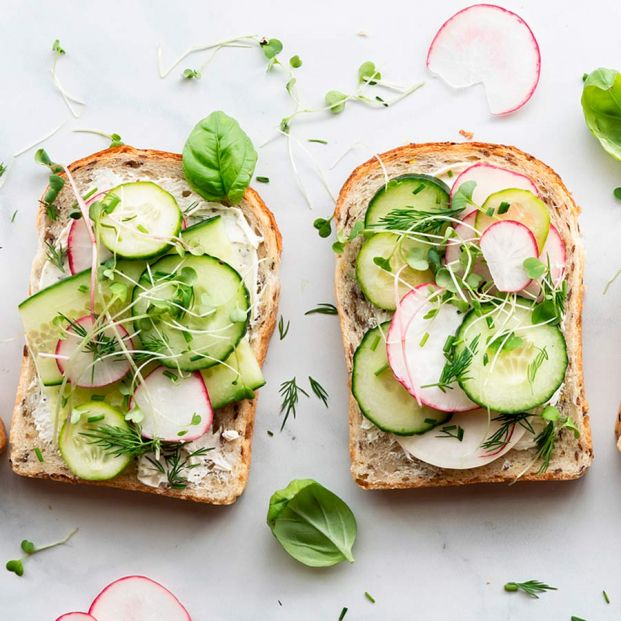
{"x":428,"y":555}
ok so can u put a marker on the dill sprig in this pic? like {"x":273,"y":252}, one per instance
{"x":532,"y":588}
{"x":176,"y":464}
{"x":456,"y":366}
{"x":417,"y":220}
{"x":546,"y":440}
{"x":452,"y":431}
{"x":323,"y":308}
{"x":100,"y":345}
{"x":290,"y":394}
{"x":56,"y":255}
{"x":117,"y":441}
{"x":283,"y":328}
{"x":319,"y":390}
{"x":507,"y":423}
{"x":535,"y":365}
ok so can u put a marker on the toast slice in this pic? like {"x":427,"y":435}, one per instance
{"x":377,"y":461}
{"x":130,"y":164}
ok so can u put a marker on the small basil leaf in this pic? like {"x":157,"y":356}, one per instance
{"x":315,"y":526}
{"x":281,"y":498}
{"x":219,"y":158}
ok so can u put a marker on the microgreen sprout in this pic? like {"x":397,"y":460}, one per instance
{"x":69,"y":99}
{"x":115,"y":139}
{"x":191,"y":74}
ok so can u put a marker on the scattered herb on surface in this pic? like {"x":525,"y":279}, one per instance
{"x":323,"y":308}
{"x":319,"y":390}
{"x":114,"y":138}
{"x":283,"y":328}
{"x":532,"y":588}
{"x":263,"y":179}
{"x":191,"y":74}
{"x":343,"y":613}
{"x":290,"y":394}
{"x":606,"y":598}
{"x":16,"y":566}
{"x":369,"y":597}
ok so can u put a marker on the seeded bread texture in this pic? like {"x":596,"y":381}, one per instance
{"x":219,"y":487}
{"x":377,"y":460}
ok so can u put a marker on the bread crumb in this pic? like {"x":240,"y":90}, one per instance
{"x":467,"y":135}
{"x":362,"y":33}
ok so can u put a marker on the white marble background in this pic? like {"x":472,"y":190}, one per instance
{"x":429,"y":555}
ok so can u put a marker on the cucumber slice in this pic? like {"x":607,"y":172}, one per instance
{"x":524,"y":207}
{"x":421,"y":192}
{"x":235,"y":379}
{"x":500,"y":381}
{"x":84,"y":459}
{"x":381,"y":398}
{"x":191,"y":310}
{"x":142,"y":223}
{"x":209,"y":237}
{"x":378,"y":284}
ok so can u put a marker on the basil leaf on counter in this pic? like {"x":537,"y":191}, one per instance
{"x":219,"y":159}
{"x":312,"y":524}
{"x":601,"y":103}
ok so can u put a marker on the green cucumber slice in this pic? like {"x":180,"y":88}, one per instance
{"x":142,"y":223}
{"x":382,"y":399}
{"x":421,"y":192}
{"x":191,"y":310}
{"x":84,"y":459}
{"x":498,"y":377}
{"x":235,"y":379}
{"x":378,"y":284}
{"x":523,"y":207}
{"x":209,"y":237}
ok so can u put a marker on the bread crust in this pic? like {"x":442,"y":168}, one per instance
{"x":573,"y":457}
{"x":23,"y":435}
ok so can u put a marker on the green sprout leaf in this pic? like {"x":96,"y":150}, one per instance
{"x":367,"y":73}
{"x":534,"y":268}
{"x":335,"y":100}
{"x":295,"y":62}
{"x":191,"y":74}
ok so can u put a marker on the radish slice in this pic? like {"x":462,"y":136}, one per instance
{"x":489,"y":45}
{"x":415,"y":345}
{"x":137,"y":598}
{"x":175,"y":408}
{"x":80,"y":249}
{"x":84,"y":367}
{"x":554,"y":254}
{"x":76,"y":616}
{"x":439,"y":449}
{"x":505,"y":246}
{"x":490,"y":179}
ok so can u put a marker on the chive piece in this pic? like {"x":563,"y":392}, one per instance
{"x":270,"y":433}
{"x":95,"y":419}
{"x":173,"y":377}
{"x":98,"y":397}
{"x":39,"y":454}
{"x":573,"y":618}
{"x":606,"y":598}
{"x":343,"y":613}
{"x":503,"y":207}
{"x":263,"y":179}
{"x":419,"y":188}
{"x":424,"y":339}
{"x":318,"y":140}
{"x":490,"y":212}
{"x":369,"y":597}
{"x":142,"y":229}
{"x":381,"y":370}
{"x":375,"y":343}
{"x":430,"y":421}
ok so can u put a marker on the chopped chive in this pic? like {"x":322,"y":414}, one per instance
{"x":369,"y":597}
{"x":318,"y":140}
{"x":13,"y":216}
{"x":424,"y":339}
{"x":39,"y":454}
{"x":419,"y":188}
{"x":263,"y":179}
{"x":490,"y":212}
{"x":375,"y":343}
{"x":430,"y":421}
{"x":270,"y":433}
{"x":573,"y":618}
{"x":173,"y":377}
{"x":381,"y":369}
{"x":503,"y":207}
{"x":606,"y":598}
{"x":142,"y":229}
{"x":95,"y":419}
{"x":343,"y":613}
{"x":83,"y":289}
{"x":98,"y":397}
{"x":485,"y":359}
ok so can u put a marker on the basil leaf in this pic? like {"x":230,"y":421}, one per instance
{"x":312,"y":524}
{"x":601,"y":103}
{"x":219,"y":159}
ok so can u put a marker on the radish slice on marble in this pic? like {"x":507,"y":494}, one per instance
{"x":415,"y":345}
{"x":505,"y":246}
{"x":96,"y":361}
{"x":492,"y":46}
{"x":176,"y":408}
{"x":76,"y":616}
{"x":490,"y":179}
{"x":137,"y":598}
{"x":438,"y":449}
{"x":79,"y":248}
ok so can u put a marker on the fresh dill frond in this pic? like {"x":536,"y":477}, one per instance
{"x":412,"y":220}
{"x":456,"y":366}
{"x":323,"y":308}
{"x":290,"y":394}
{"x":56,"y":255}
{"x":117,"y":441}
{"x":176,"y":464}
{"x":535,"y":365}
{"x":283,"y":328}
{"x":507,"y":423}
{"x":319,"y":390}
{"x":532,"y":588}
{"x":452,"y":431}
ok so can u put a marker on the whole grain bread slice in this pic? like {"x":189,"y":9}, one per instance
{"x":377,"y":460}
{"x":220,"y":487}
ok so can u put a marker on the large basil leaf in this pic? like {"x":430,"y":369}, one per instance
{"x":601,"y":102}
{"x":312,"y":524}
{"x":219,"y":159}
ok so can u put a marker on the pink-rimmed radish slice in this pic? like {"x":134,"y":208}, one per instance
{"x":79,"y":248}
{"x":490,"y":179}
{"x":137,"y":598}
{"x":439,"y":449}
{"x":486,"y":44}
{"x":98,"y":361}
{"x":175,"y":408}
{"x":505,"y":246}
{"x":76,"y":616}
{"x":415,"y":345}
{"x":555,"y":255}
